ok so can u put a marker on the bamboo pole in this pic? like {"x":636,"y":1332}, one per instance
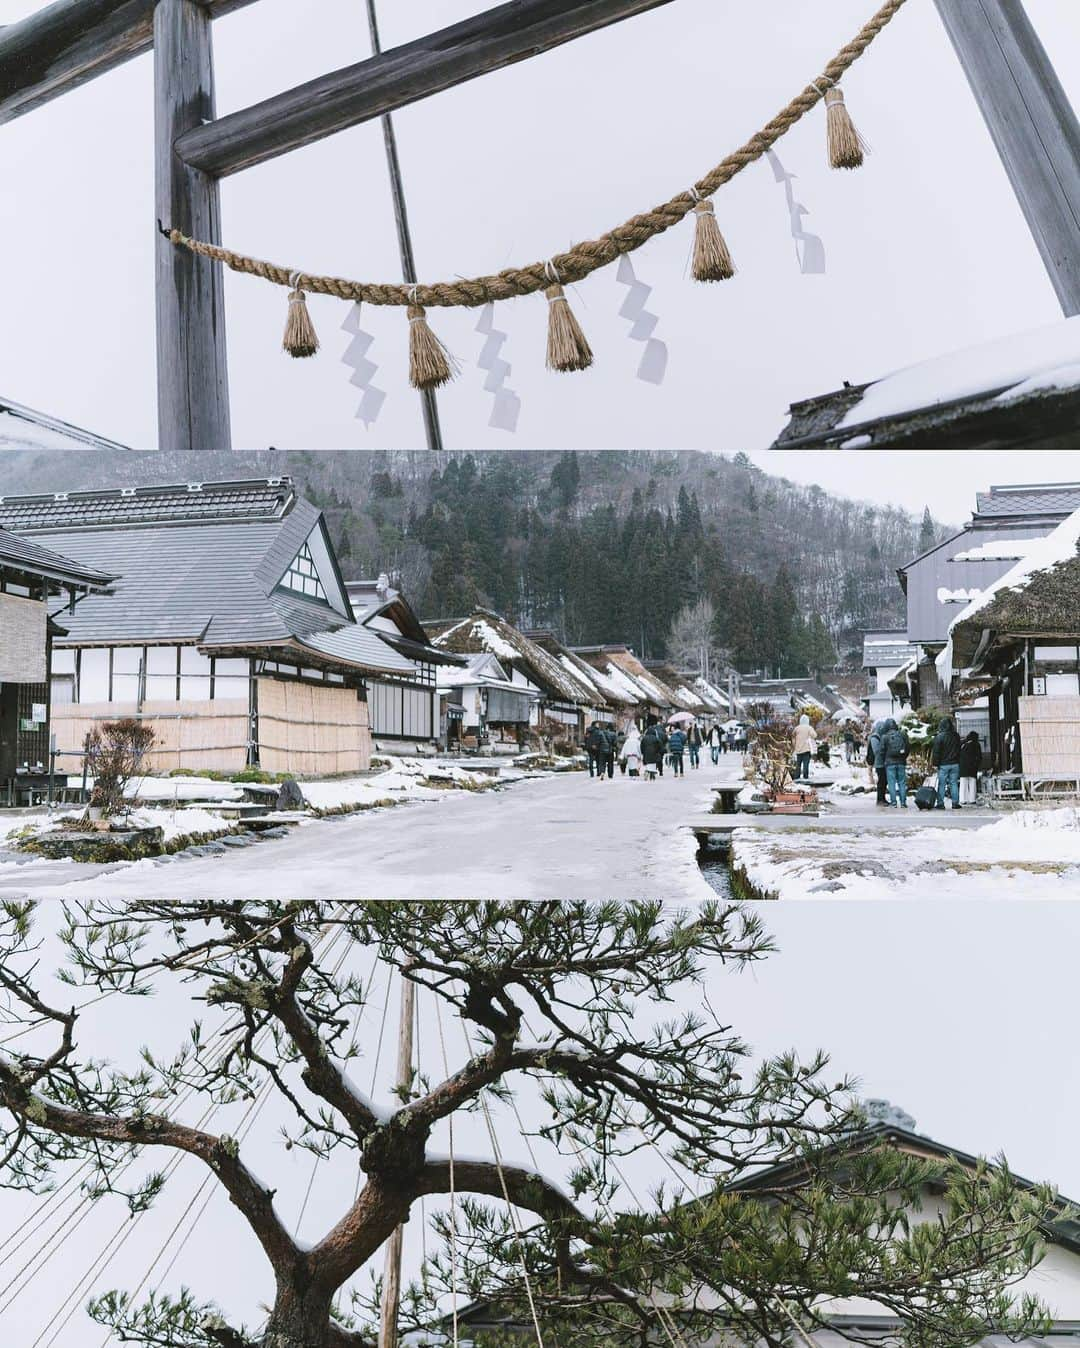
{"x":391,"y":1289}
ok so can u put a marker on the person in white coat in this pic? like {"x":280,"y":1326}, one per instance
{"x":805,"y":746}
{"x":631,"y":752}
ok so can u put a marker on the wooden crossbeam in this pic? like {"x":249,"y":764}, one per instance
{"x":1033,"y":125}
{"x":487,"y":41}
{"x":72,"y":41}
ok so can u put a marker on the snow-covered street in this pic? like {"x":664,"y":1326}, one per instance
{"x":552,"y":837}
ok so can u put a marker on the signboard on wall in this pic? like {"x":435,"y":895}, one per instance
{"x":22,"y":640}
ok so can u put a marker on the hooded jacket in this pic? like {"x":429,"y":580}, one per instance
{"x":804,"y":736}
{"x":894,"y":743}
{"x":946,"y":747}
{"x":876,"y":744}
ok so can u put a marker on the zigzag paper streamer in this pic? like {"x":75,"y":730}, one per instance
{"x":653,"y":363}
{"x":809,"y":248}
{"x":507,"y":405}
{"x":363,"y":369}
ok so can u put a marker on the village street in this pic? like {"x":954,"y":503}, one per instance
{"x":566,"y":835}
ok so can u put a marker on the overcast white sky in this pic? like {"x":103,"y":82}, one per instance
{"x":962,"y":1021}
{"x":926,"y":247}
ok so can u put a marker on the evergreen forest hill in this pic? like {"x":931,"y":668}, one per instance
{"x":597,"y":547}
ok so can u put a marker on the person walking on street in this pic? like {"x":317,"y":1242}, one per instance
{"x":595,"y":745}
{"x":805,"y":744}
{"x":653,"y":743}
{"x":716,"y":742}
{"x":676,"y":745}
{"x":611,"y":748}
{"x":875,"y":758}
{"x":970,"y":765}
{"x":895,"y":743}
{"x":945,"y":756}
{"x":693,"y":744}
{"x":849,"y":744}
{"x":630,"y":753}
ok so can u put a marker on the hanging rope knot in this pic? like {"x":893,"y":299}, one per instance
{"x":567,"y":347}
{"x":847,"y":149}
{"x":430,"y":364}
{"x":711,"y":258}
{"x":300,"y":338}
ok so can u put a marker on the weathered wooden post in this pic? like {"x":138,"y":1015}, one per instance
{"x":391,"y":1289}
{"x":193,"y":389}
{"x":1032,"y":123}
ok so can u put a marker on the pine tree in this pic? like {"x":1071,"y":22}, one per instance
{"x":927,"y":531}
{"x":555,"y":995}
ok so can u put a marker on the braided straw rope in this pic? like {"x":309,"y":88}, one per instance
{"x":582,"y":258}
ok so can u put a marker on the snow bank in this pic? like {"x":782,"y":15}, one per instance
{"x":1029,"y":854}
{"x":402,"y":780}
{"x":182,"y":788}
{"x":1007,"y":363}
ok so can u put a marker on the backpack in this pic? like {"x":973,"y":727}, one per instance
{"x":926,"y":797}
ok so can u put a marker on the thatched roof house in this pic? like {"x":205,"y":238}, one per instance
{"x":1022,"y":635}
{"x":566,"y":701}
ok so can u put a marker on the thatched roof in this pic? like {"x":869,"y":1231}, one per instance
{"x":484,"y":630}
{"x":1039,"y":596}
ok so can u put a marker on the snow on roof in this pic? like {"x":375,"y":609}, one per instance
{"x":1059,"y":546}
{"x":946,"y":596}
{"x":997,"y":550}
{"x":488,"y":632}
{"x":1047,"y":357}
{"x":1044,"y":553}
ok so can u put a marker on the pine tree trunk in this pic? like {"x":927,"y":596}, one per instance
{"x":300,"y":1319}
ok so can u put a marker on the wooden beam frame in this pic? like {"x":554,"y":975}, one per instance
{"x":192,"y":378}
{"x":1032,"y":123}
{"x":72,"y":41}
{"x":487,"y":41}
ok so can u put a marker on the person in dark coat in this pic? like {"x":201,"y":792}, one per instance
{"x":694,"y":742}
{"x":595,"y":747}
{"x":875,"y":758}
{"x":653,"y":743}
{"x":611,"y":748}
{"x":970,"y":766}
{"x":676,"y":745}
{"x":945,"y":756}
{"x":894,"y":742}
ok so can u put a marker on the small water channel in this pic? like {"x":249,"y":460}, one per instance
{"x":714,"y":856}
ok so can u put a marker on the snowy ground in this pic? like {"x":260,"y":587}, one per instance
{"x":555,"y":836}
{"x":1028,"y":854}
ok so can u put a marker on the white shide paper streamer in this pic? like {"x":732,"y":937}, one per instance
{"x":653,"y":363}
{"x":809,"y":248}
{"x":363,"y":369}
{"x":507,"y":404}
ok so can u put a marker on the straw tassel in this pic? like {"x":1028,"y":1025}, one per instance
{"x":300,"y":338}
{"x":567,"y":348}
{"x":711,"y":259}
{"x":430,"y":364}
{"x":847,"y":149}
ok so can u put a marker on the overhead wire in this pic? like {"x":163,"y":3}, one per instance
{"x":120,"y":1237}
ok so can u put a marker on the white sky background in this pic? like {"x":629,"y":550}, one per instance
{"x":926,"y":246}
{"x":962,"y":1023}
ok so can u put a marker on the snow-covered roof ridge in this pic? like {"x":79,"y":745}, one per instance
{"x":1002,"y":365}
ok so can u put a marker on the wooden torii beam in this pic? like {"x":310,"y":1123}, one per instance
{"x":69,"y":42}
{"x":72,"y":41}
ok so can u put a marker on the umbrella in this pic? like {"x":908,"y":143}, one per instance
{"x":681,"y":716}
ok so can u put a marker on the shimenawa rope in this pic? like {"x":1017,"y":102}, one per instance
{"x":583,"y":258}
